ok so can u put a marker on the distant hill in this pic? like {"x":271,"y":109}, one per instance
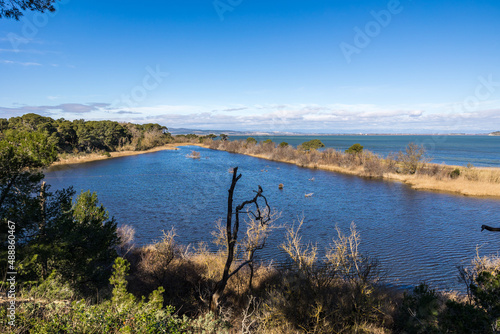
{"x":496,"y":133}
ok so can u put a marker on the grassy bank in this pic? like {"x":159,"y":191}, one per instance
{"x":408,"y":167}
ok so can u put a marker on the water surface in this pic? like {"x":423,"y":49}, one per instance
{"x":416,"y":235}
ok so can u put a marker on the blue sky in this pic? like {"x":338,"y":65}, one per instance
{"x":312,"y":66}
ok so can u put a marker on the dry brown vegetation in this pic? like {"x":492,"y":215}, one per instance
{"x":339,"y":292}
{"x":409,"y":166}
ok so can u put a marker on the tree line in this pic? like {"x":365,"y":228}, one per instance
{"x":87,"y":136}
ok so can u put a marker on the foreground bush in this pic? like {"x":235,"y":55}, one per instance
{"x":123,"y":313}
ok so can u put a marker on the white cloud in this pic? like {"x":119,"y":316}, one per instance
{"x":13,"y":62}
{"x":335,"y":118}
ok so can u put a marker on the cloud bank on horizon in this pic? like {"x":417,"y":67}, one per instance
{"x":379,"y":66}
{"x":283,"y":118}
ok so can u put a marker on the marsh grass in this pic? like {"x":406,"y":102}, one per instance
{"x":410,"y":166}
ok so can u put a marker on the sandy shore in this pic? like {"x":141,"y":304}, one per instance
{"x":95,"y":156}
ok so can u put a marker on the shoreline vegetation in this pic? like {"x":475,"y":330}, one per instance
{"x":77,"y":271}
{"x":408,"y":167}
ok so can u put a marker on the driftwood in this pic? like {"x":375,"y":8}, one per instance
{"x":488,"y":228}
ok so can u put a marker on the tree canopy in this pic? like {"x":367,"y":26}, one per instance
{"x":89,"y":136}
{"x":355,"y":149}
{"x":312,"y":145}
{"x":14,"y":8}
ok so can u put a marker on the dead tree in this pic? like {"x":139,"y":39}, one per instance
{"x":260,"y":215}
{"x":488,"y":228}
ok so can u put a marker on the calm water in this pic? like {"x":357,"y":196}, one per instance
{"x":416,"y":235}
{"x":452,"y":150}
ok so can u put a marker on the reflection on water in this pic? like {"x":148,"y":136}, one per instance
{"x":416,"y":235}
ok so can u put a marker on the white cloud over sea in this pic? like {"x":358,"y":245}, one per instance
{"x":335,"y":118}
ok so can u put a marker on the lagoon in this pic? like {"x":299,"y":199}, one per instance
{"x":416,"y":235}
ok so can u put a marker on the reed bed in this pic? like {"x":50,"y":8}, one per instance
{"x":402,"y":166}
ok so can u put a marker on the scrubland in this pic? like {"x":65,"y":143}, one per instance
{"x":409,"y":166}
{"x":164,"y":287}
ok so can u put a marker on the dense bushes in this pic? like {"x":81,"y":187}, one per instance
{"x":89,"y":136}
{"x":340,"y":291}
{"x":123,"y":313}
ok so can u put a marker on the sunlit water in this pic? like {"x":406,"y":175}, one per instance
{"x":481,"y":151}
{"x":416,"y":235}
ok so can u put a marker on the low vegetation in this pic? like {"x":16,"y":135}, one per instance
{"x":410,"y":166}
{"x":165,"y":288}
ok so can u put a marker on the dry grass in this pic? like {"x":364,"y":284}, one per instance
{"x":471,"y":181}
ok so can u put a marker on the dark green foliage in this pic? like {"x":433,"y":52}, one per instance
{"x":354,"y":149}
{"x":424,"y":311}
{"x":22,"y":155}
{"x":464,"y":319}
{"x":122,"y":314}
{"x":268,"y":141}
{"x":90,"y":136}
{"x":455,"y":173}
{"x":312,"y":145}
{"x":283,"y":144}
{"x":4,"y":124}
{"x":85,"y":245}
{"x":223,"y":137}
{"x":102,"y":135}
{"x":13,"y":8}
{"x":420,"y":310}
{"x":251,"y":141}
{"x":486,"y":292}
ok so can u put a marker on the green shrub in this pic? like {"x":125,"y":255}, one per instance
{"x":268,"y":141}
{"x":464,"y":318}
{"x":354,"y":149}
{"x":251,"y":140}
{"x":486,"y":292}
{"x":419,"y":311}
{"x":312,"y":145}
{"x":455,"y":173}
{"x":283,"y":144}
